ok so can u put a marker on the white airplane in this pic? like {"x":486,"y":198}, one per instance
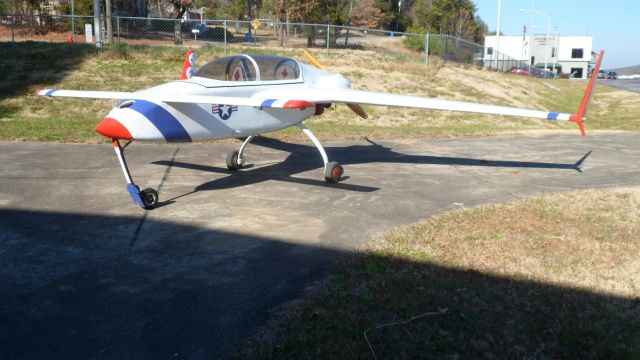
{"x":247,"y":95}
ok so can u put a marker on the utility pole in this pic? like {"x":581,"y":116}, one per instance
{"x":97,"y":28}
{"x":533,"y":24}
{"x":498,"y":31}
{"x":107,"y":8}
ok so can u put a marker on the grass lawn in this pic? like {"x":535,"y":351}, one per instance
{"x":555,"y":276}
{"x":122,"y":67}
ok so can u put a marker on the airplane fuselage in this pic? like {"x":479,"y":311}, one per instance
{"x":143,"y":117}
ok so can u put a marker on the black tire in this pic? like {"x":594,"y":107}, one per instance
{"x":149,"y":198}
{"x":232,"y":161}
{"x":333,"y":172}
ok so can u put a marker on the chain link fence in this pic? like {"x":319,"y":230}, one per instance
{"x":263,"y":33}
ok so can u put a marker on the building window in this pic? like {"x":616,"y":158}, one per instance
{"x":553,"y":52}
{"x":489,"y":51}
{"x":577,"y":53}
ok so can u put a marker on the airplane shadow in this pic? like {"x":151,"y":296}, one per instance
{"x":303,"y":158}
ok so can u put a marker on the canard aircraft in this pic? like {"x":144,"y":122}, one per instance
{"x":242,"y":96}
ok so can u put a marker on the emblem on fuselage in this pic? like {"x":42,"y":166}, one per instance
{"x":223,"y":111}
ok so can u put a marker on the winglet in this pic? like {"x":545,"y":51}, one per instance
{"x":189,"y":67}
{"x":580,"y":117}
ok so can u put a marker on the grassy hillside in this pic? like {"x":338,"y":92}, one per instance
{"x":29,"y":66}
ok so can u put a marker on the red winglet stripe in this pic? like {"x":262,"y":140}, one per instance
{"x":187,"y":64}
{"x":587,"y":95}
{"x":297,"y":104}
{"x":582,"y":111}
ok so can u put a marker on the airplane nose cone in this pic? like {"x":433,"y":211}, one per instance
{"x":114,"y":129}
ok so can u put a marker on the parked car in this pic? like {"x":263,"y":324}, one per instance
{"x":515,"y":70}
{"x":210,"y":33}
{"x":612,"y":75}
{"x":602,"y":74}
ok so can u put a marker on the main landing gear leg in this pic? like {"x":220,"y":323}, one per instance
{"x":146,"y":198}
{"x":235,"y":159}
{"x":332,"y":170}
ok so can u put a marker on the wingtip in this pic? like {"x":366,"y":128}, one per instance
{"x":576,"y":118}
{"x":582,"y":129}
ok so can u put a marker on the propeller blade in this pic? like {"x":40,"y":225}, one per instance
{"x":313,"y":60}
{"x":356,"y":108}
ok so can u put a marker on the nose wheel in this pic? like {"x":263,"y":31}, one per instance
{"x":149,"y":198}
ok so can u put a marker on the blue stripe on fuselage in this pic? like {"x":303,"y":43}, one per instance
{"x":168,"y":125}
{"x":268,"y":102}
{"x":48,"y":93}
{"x":552,"y":116}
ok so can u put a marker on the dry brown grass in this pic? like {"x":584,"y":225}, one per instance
{"x":585,"y":240}
{"x":555,"y":276}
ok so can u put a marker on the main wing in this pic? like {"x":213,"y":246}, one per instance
{"x":319,"y":96}
{"x":350,"y":96}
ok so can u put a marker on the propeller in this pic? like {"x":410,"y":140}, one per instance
{"x":356,"y":108}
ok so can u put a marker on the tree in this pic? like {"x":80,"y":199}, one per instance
{"x":180,"y":7}
{"x":481,"y":30}
{"x":366,"y":14}
{"x":281,"y":15}
{"x":319,"y":12}
{"x":452,"y":17}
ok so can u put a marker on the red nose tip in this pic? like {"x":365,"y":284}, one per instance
{"x":112,"y":128}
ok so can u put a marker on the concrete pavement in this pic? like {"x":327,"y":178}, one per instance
{"x":85,"y":273}
{"x":622,"y":84}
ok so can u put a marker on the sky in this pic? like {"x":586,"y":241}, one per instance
{"x":614,"y":24}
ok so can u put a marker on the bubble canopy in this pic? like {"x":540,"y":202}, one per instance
{"x":251,"y":68}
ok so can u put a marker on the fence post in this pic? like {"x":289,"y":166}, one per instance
{"x":328,"y":39}
{"x":225,"y":37}
{"x":73,"y":22}
{"x":426,"y":49}
{"x":118,"y":27}
{"x":446,"y":48}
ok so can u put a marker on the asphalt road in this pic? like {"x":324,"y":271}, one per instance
{"x":86,"y":274}
{"x":628,"y":85}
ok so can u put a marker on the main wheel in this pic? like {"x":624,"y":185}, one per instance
{"x":232,"y":161}
{"x":149,"y":198}
{"x":333,"y":172}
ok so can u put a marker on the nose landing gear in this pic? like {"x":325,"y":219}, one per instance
{"x":146,"y":198}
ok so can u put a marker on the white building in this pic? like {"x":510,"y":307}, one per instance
{"x":569,"y":55}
